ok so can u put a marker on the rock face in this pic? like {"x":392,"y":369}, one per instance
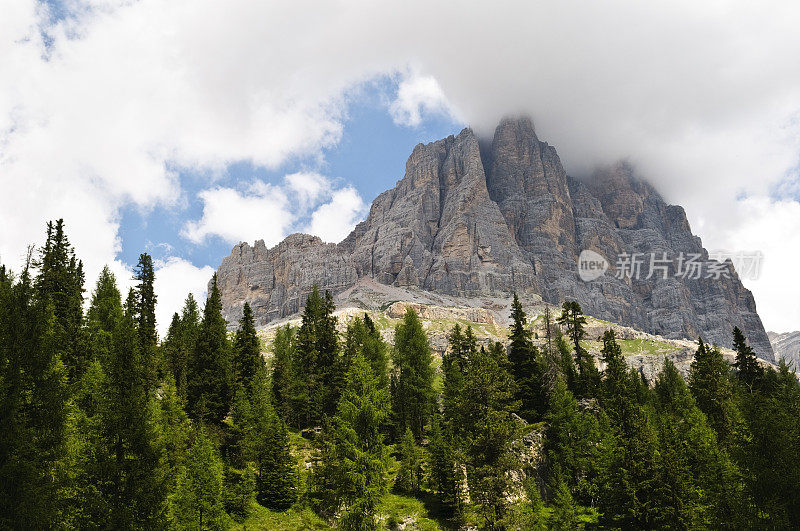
{"x":786,"y":347}
{"x":475,"y":220}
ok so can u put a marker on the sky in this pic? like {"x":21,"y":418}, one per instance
{"x":182,"y":127}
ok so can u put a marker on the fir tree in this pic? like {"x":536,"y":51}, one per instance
{"x":317,"y":371}
{"x":748,"y":370}
{"x":362,"y":337}
{"x":198,"y":501}
{"x":711,"y":386}
{"x":283,"y":373}
{"x":247,"y":352}
{"x":268,"y":444}
{"x":412,"y":379}
{"x":410,"y":474}
{"x":60,"y":282}
{"x":33,"y":407}
{"x":527,"y":366}
{"x":209,"y":371}
{"x":352,"y":473}
{"x":146,"y":319}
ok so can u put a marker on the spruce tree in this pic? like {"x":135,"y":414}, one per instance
{"x":246,"y":350}
{"x":412,"y":379}
{"x":711,"y":386}
{"x":268,"y":448}
{"x":454,"y":367}
{"x":317,"y":371}
{"x":445,"y":469}
{"x":146,"y":319}
{"x":198,"y":501}
{"x":60,"y":282}
{"x":351,"y":476}
{"x":209,"y":389}
{"x":362,"y":337}
{"x":283,"y":373}
{"x":410,"y":474}
{"x":574,"y":321}
{"x":187,"y":341}
{"x":527,"y":366}
{"x":33,"y":407}
{"x":748,"y":370}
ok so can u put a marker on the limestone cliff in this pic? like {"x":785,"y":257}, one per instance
{"x":472,"y":220}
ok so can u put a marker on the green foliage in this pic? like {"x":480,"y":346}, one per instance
{"x":146,"y":319}
{"x":710,"y":383}
{"x":33,"y":404}
{"x":528,"y":367}
{"x":283,"y":382}
{"x":240,"y":487}
{"x":209,"y":389}
{"x":362,"y":337}
{"x":748,"y":370}
{"x":198,"y":500}
{"x":318,"y":369}
{"x":587,"y":382}
{"x":412,"y":378}
{"x":351,"y":475}
{"x":247,"y":358}
{"x":409,"y":477}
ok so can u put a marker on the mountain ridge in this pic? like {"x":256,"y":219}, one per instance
{"x":471,"y":218}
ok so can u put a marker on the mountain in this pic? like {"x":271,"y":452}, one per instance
{"x":474,"y":219}
{"x":786,"y":346}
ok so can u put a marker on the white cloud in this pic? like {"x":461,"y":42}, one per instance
{"x":262,"y":212}
{"x":271,"y":212}
{"x":418,"y":95}
{"x":334,"y":220}
{"x":702,"y":96}
{"x":175,"y":279}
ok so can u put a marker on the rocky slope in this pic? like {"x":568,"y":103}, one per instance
{"x":472,"y":219}
{"x":786,"y":347}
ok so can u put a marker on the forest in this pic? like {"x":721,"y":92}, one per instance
{"x":104,"y":425}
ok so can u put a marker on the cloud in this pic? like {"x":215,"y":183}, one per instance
{"x":334,"y":220}
{"x":270,"y":212}
{"x":418,"y":95}
{"x":703,"y":97}
{"x":175,"y":279}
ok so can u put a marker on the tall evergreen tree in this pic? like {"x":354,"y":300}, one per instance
{"x":711,"y":386}
{"x":748,"y":370}
{"x":283,"y":373}
{"x":318,"y":369}
{"x":412,"y":379}
{"x":409,"y":476}
{"x":246,"y":350}
{"x":209,"y":389}
{"x":146,"y":319}
{"x":197,"y":503}
{"x":362,"y":336}
{"x":33,"y":407}
{"x":527,"y":366}
{"x":268,"y":446}
{"x":574,"y":321}
{"x":351,"y":476}
{"x":60,"y":282}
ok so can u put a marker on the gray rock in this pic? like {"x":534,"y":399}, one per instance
{"x":786,"y":347}
{"x":477,"y":220}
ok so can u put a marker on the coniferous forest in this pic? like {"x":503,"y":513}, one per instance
{"x":105,"y":425}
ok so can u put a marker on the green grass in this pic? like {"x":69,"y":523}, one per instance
{"x":290,"y":520}
{"x":398,"y":508}
{"x":631,"y":347}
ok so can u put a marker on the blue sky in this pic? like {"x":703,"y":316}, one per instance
{"x":370,"y":156}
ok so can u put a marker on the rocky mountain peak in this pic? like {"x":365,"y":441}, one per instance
{"x":472,"y":219}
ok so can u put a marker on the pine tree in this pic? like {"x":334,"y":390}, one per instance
{"x":283,"y":373}
{"x":60,"y":282}
{"x":187,"y":341}
{"x":412,"y":379}
{"x":410,"y":474}
{"x":362,"y":337}
{"x":445,"y":469}
{"x":198,"y":501}
{"x":33,"y":406}
{"x":173,"y":431}
{"x":574,"y":321}
{"x":209,"y":371}
{"x":146,"y":319}
{"x":247,"y":351}
{"x":318,"y":368}
{"x":527,"y":366}
{"x":711,"y":386}
{"x":352,"y":473}
{"x":572,"y":444}
{"x":454,"y":367}
{"x":748,"y":370}
{"x":268,"y":447}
